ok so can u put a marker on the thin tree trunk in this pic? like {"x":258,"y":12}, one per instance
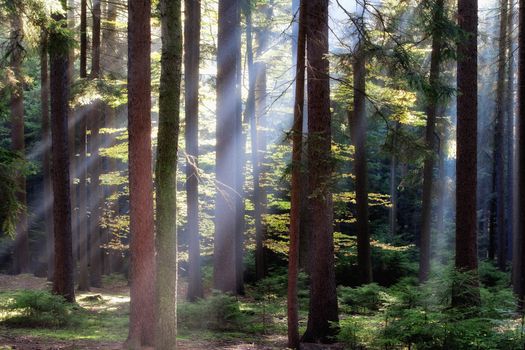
{"x":21,"y":251}
{"x":499,"y":139}
{"x":392,"y":215}
{"x":358,"y":127}
{"x":322,"y":313}
{"x":225,"y":272}
{"x":191,"y":83}
{"x":96,"y":194}
{"x":166,"y":174}
{"x":466,"y":164}
{"x":295,"y":212}
{"x":521,"y":148}
{"x":46,"y":163}
{"x":430,"y":139}
{"x":83,"y":280}
{"x":63,"y":283}
{"x":142,"y":242}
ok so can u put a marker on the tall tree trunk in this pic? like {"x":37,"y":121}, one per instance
{"x":191,"y":82}
{"x":225,"y":272}
{"x":21,"y":251}
{"x":240,"y":162}
{"x":358,"y":124}
{"x":142,"y":243}
{"x":499,"y":140}
{"x":166,"y":173}
{"x":96,"y":194}
{"x":521,"y":148}
{"x":295,"y":211}
{"x":430,"y":139}
{"x":466,"y":164}
{"x":323,"y":299}
{"x":83,"y":278}
{"x":73,"y":166}
{"x":63,"y":283}
{"x":260,"y":266}
{"x":46,"y":163}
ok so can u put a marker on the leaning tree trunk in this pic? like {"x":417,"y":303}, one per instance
{"x":142,"y":244}
{"x":430,"y":139}
{"x":63,"y":283}
{"x":466,"y":164}
{"x":322,"y":311}
{"x":166,"y":173}
{"x":191,"y":82}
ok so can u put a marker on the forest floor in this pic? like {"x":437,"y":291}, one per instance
{"x":105,"y":324}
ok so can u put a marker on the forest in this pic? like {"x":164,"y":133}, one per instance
{"x":262,"y":174}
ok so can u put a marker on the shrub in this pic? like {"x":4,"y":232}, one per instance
{"x":217,"y":312}
{"x":361,"y":299}
{"x":38,"y":309}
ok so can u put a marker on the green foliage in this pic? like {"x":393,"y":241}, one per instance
{"x":218,"y":312}
{"x":38,"y":309}
{"x":361,"y":299}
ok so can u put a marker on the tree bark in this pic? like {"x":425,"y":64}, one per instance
{"x":358,"y":125}
{"x":225,"y":273}
{"x":63,"y":283}
{"x":466,"y":164}
{"x":191,"y":82}
{"x":428,"y":169}
{"x":166,"y":174}
{"x":83,"y":280}
{"x":21,"y":251}
{"x":521,"y":147}
{"x":46,"y":163}
{"x":142,"y":242}
{"x":96,"y":193}
{"x":323,"y":299}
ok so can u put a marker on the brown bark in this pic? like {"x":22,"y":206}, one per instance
{"x":83,"y":280}
{"x":295,"y":212}
{"x":142,"y":243}
{"x":63,"y":283}
{"x":323,"y":299}
{"x":358,"y":125}
{"x":521,"y":147}
{"x":46,"y":163}
{"x":191,"y":83}
{"x":466,"y":164}
{"x":225,"y":273}
{"x":96,"y":193}
{"x":430,"y":140}
{"x":21,"y":250}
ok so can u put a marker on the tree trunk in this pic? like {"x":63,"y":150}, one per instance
{"x":46,"y":163}
{"x":521,"y":148}
{"x":166,"y":173}
{"x":63,"y":283}
{"x":191,"y":82}
{"x":358,"y":127}
{"x":225,"y":272}
{"x":142,"y":242}
{"x":295,"y":212}
{"x":466,"y":164}
{"x":96,"y":194}
{"x":323,"y":299}
{"x":392,"y":215}
{"x":430,"y":139}
{"x":21,"y":251}
{"x":83,"y":280}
